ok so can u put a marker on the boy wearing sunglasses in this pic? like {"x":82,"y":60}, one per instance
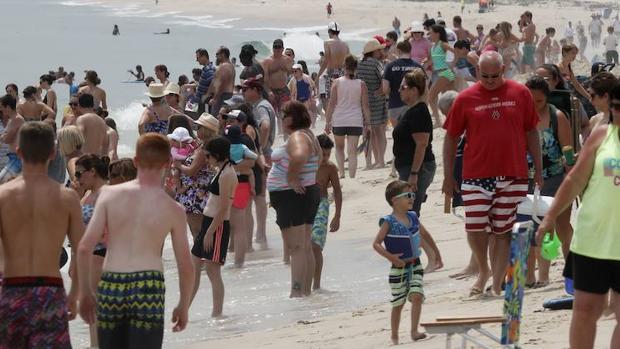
{"x":402,"y":233}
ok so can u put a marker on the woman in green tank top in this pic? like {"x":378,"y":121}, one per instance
{"x":595,"y":248}
{"x":441,"y":69}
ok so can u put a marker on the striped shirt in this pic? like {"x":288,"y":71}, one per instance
{"x":206,"y":77}
{"x":370,"y":71}
{"x":277,"y":180}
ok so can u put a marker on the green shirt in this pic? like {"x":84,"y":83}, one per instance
{"x":597,"y":234}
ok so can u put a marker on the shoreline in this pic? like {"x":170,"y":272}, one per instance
{"x":368,"y":327}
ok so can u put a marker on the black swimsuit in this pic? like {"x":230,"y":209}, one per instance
{"x":214,"y":186}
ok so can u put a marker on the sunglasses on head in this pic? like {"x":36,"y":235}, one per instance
{"x":408,"y":195}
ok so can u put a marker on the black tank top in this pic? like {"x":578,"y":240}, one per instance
{"x":214,"y":186}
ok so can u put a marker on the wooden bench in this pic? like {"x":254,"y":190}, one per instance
{"x":451,"y":326}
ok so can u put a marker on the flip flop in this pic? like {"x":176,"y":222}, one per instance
{"x":475,"y":292}
{"x":540,"y":284}
{"x":424,"y":338}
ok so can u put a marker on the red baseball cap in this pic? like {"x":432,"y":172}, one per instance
{"x":381,"y":40}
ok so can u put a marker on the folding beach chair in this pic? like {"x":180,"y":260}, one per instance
{"x":532,"y":208}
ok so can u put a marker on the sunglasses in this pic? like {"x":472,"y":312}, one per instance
{"x":79,"y":174}
{"x":408,"y":195}
{"x":487,"y":76}
{"x":278,"y":47}
{"x":614,"y":106}
{"x":73,"y":104}
{"x":479,"y":28}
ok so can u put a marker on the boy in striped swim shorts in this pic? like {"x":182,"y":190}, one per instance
{"x":406,"y":273}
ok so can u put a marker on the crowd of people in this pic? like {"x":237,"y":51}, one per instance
{"x":212,"y":148}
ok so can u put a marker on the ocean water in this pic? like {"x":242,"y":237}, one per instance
{"x":77,"y":35}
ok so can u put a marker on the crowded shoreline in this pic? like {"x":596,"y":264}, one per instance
{"x":358,"y":220}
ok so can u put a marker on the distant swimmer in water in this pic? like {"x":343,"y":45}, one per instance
{"x":139,"y":74}
{"x":116,"y":31}
{"x":166,"y":32}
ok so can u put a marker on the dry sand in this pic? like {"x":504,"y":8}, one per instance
{"x":369,"y":327}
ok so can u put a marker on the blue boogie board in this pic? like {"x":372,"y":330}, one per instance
{"x":562,"y":303}
{"x":522,"y":235}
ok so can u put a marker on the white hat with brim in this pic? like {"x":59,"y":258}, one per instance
{"x":417,"y":27}
{"x":172,"y":88}
{"x":209,"y":121}
{"x":180,"y":134}
{"x":372,"y":45}
{"x":156,"y":90}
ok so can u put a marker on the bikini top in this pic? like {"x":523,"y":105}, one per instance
{"x":214,"y":186}
{"x":158,"y":126}
{"x":87,"y":213}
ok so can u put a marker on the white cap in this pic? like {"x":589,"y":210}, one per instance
{"x":297,"y":66}
{"x":334,"y":26}
{"x":180,"y":134}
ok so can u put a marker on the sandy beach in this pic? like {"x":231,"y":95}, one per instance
{"x":364,"y":203}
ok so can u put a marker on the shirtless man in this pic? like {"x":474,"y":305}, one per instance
{"x":133,"y":268}
{"x":71,"y":114}
{"x":544,"y":46}
{"x":37,"y":214}
{"x":461,"y":33}
{"x":15,"y":121}
{"x":92,"y":126}
{"x":335,"y":52}
{"x":224,"y":80}
{"x":277,"y":68}
{"x":530,"y":38}
{"x":31,"y":108}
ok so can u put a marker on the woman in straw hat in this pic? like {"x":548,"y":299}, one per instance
{"x":348,"y":114}
{"x":370,"y":71}
{"x":196,"y":174}
{"x":172,"y":95}
{"x":155,"y":117}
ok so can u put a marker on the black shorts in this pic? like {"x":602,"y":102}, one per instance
{"x":593,"y":275}
{"x":294,"y":209}
{"x":258,"y":180}
{"x":347,"y":131}
{"x":221,"y":238}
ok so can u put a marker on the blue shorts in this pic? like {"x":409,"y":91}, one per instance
{"x":12,"y":169}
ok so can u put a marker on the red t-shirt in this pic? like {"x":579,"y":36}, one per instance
{"x":495,"y":123}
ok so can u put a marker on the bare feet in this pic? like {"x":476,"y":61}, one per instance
{"x":467,"y":272}
{"x":431,"y":267}
{"x":416,"y":336}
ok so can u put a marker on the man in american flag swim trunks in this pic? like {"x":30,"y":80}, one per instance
{"x":499,"y":118}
